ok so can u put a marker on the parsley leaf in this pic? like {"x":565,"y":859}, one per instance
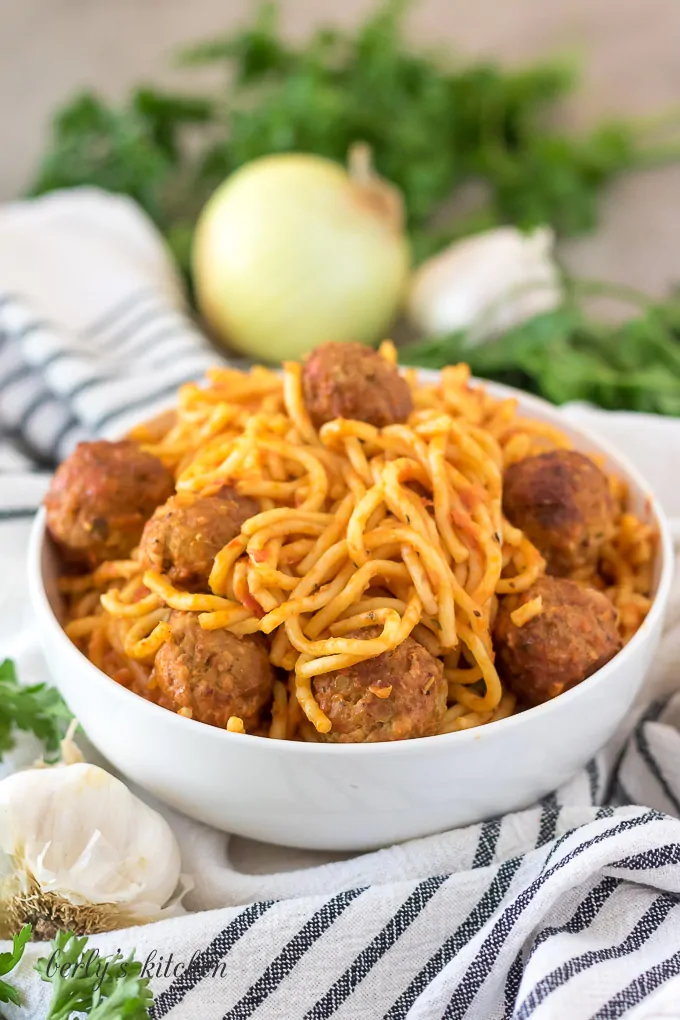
{"x":39,"y":709}
{"x":563,"y":356}
{"x":438,"y":128}
{"x":102,"y":987}
{"x":434,"y":126}
{"x":8,"y":961}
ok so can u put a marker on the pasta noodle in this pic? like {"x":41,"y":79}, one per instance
{"x":527,"y":612}
{"x":399,"y":529}
{"x":235,"y":725}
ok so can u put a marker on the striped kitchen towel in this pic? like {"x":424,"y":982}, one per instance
{"x":570,"y":909}
{"x":93,"y":324}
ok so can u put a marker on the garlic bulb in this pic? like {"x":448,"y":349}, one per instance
{"x":492,"y":281}
{"x":82,"y":852}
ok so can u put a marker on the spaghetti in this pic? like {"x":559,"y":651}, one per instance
{"x":399,"y":529}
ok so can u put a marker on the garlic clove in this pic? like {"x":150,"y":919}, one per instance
{"x":492,"y":281}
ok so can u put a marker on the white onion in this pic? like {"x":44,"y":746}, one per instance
{"x":292,"y":250}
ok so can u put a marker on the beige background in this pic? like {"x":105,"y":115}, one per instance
{"x":631,"y":64}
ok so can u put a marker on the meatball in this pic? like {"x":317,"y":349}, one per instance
{"x":413,"y":681}
{"x":352,"y":381}
{"x":561,"y":500}
{"x":185,"y":534}
{"x":212,"y":672}
{"x":573,"y":636}
{"x":100,"y":499}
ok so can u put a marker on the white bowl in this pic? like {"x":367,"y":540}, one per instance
{"x":354,"y":796}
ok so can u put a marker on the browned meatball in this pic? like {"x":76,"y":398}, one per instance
{"x":100,"y":498}
{"x":573,"y":636}
{"x":352,"y":381}
{"x":185,"y":535}
{"x":212,"y":672}
{"x":414,"y":705}
{"x":561,"y":500}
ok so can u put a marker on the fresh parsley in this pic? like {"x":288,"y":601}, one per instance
{"x":435,"y":125}
{"x":83,"y":983}
{"x":8,"y":961}
{"x":100,"y":987}
{"x":565,"y":355}
{"x":39,"y":709}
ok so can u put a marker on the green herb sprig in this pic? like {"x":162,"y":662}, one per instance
{"x":39,"y":709}
{"x":103,"y":988}
{"x":83,"y":983}
{"x":564,"y":355}
{"x":8,"y":962}
{"x":434,"y":125}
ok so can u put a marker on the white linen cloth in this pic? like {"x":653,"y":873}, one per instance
{"x":567,"y":910}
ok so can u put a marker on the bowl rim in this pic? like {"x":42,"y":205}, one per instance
{"x":415,"y":745}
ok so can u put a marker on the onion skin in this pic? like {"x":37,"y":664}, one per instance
{"x":291,"y":251}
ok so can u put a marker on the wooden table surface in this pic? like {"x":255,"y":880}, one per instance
{"x":631,"y":64}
